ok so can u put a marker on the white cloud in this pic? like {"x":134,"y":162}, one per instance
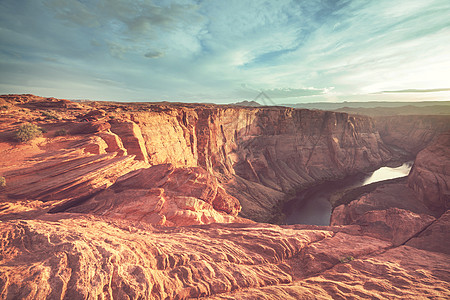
{"x":210,"y":48}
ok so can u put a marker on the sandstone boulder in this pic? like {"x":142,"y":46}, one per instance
{"x":394,"y":225}
{"x":114,"y":143}
{"x":385,"y":196}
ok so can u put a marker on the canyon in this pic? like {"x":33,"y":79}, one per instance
{"x":314,"y":205}
{"x":174,"y":200}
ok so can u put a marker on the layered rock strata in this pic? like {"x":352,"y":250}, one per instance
{"x":75,"y":256}
{"x":430,"y":175}
{"x":80,"y":156}
{"x":411,"y":133}
{"x":261,"y":154}
{"x":413,"y":211}
{"x":165,"y":195}
{"x":425,"y":191}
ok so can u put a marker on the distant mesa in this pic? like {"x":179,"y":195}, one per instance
{"x":381,"y":108}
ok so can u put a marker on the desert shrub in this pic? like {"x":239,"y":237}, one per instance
{"x":2,"y":182}
{"x":49,"y":115}
{"x":346,"y":259}
{"x":27,"y":132}
{"x":61,"y":132}
{"x":4,"y":107}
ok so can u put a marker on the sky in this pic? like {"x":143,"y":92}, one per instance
{"x":221,"y":51}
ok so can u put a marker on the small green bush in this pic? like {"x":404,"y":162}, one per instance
{"x":346,"y":259}
{"x":2,"y":182}
{"x":4,"y":107}
{"x":27,"y":132}
{"x":61,"y":132}
{"x":49,"y":115}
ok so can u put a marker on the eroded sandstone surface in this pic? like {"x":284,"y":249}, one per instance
{"x":151,"y":201}
{"x":89,"y":257}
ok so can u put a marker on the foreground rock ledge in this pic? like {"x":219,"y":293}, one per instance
{"x":88,"y":257}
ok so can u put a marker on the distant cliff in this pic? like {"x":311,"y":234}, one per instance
{"x":411,"y":133}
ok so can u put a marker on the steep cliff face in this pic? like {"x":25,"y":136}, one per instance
{"x":260,"y":154}
{"x":426,"y":190}
{"x":297,"y":148}
{"x":415,"y":201}
{"x":430,"y":175}
{"x":250,"y":141}
{"x":411,"y":133}
{"x":130,"y":137}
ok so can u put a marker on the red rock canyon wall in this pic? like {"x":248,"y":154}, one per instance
{"x":411,"y":133}
{"x":260,"y":154}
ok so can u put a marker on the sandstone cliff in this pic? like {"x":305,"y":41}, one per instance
{"x":425,"y":191}
{"x":82,"y":152}
{"x":406,"y":210}
{"x":411,"y":133}
{"x":260,"y":154}
{"x":430,"y":176}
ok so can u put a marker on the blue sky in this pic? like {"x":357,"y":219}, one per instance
{"x":226,"y":51}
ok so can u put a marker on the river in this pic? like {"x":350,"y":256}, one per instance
{"x":312,"y":206}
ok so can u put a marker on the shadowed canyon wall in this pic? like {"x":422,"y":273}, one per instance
{"x":258,"y":154}
{"x":411,"y":133}
{"x":430,"y":175}
{"x":425,"y":191}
